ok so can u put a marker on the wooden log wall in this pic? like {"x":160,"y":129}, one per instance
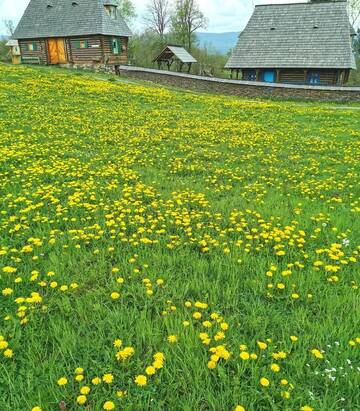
{"x":292,"y":76}
{"x":91,"y":55}
{"x":299,"y":76}
{"x":40,"y":52}
{"x":111,"y":58}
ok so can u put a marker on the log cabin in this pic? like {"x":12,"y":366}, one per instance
{"x":74,"y":32}
{"x":298,"y":43}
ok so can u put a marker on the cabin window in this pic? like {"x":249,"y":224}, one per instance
{"x":250,"y":75}
{"x":32,"y":47}
{"x":313,"y":78}
{"x":81,"y":44}
{"x":115,"y":46}
{"x":111,"y":11}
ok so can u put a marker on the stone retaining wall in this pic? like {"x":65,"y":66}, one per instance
{"x":242,"y":88}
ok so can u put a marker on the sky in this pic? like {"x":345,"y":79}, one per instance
{"x":223,"y":15}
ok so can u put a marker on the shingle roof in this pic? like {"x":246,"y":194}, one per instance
{"x":297,"y":35}
{"x":62,"y":18}
{"x":177,"y":51}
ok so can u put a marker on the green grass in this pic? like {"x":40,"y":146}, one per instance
{"x":203,"y":192}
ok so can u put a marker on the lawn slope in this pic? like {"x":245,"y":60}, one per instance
{"x":162,"y":250}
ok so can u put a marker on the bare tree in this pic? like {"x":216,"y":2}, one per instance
{"x":354,"y":12}
{"x":187,"y":18}
{"x":157,"y":18}
{"x":10,"y":26}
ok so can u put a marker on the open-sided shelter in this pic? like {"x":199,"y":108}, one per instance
{"x":175,"y":54}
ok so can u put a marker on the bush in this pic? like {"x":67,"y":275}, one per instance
{"x":355,"y":75}
{"x":4,"y":52}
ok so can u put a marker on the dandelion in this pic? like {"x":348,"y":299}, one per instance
{"x":81,"y":399}
{"x":262,"y":345}
{"x":275,"y":367}
{"x":109,"y":405}
{"x":62,"y":381}
{"x":79,"y":378}
{"x":108,"y":378}
{"x":172,"y":339}
{"x":84,"y":390}
{"x":264,"y":382}
{"x":244,"y":355}
{"x":8,"y":353}
{"x":316,"y":353}
{"x":140,"y":380}
{"x":150,"y":370}
{"x":117,"y":343}
{"x":115,"y":295}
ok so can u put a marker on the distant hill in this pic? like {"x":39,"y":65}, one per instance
{"x":4,"y":37}
{"x":221,"y":42}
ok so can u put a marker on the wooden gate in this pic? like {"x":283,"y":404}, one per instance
{"x":57,"y":53}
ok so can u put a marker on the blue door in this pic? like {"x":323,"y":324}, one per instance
{"x":269,"y":76}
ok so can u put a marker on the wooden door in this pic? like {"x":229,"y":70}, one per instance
{"x":61,"y":51}
{"x":57,"y":53}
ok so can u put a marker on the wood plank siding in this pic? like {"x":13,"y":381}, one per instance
{"x":299,"y":76}
{"x":110,"y":57}
{"x":85,"y":50}
{"x":32,"y":49}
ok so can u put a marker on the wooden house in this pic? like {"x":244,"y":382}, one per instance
{"x":81,"y":32}
{"x":300,"y":43}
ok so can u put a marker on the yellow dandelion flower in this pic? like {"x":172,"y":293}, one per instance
{"x":62,"y":381}
{"x":140,"y":380}
{"x":264,"y":382}
{"x":81,"y":399}
{"x":109,"y":405}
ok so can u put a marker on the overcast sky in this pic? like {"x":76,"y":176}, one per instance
{"x":223,"y":15}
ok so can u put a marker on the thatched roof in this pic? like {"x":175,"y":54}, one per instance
{"x":297,"y":35}
{"x":62,"y":18}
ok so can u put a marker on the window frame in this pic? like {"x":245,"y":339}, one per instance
{"x":313,"y":78}
{"x":251,"y":75}
{"x":32,"y":46}
{"x":81,"y":44}
{"x":118,"y":45}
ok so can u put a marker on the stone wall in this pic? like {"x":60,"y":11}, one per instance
{"x":243,"y":88}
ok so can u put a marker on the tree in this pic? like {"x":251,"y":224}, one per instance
{"x":127,"y":10}
{"x":10,"y":27}
{"x":157,"y":18}
{"x":187,"y":18}
{"x":354,"y":12}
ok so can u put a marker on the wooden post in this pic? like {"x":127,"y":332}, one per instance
{"x":306,"y":71}
{"x":258,"y":75}
{"x":102,"y":49}
{"x":231,"y":73}
{"x":237,"y":74}
{"x":189,"y":68}
{"x":277,"y":80}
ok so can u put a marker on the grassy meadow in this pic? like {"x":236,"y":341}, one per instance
{"x":167,"y":250}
